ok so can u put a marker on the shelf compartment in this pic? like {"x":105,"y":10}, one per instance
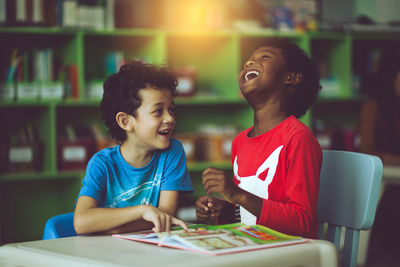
{"x":214,"y":58}
{"x":367,"y":55}
{"x":80,"y":133}
{"x":42,"y":120}
{"x":199,"y":115}
{"x":333,"y":58}
{"x":141,"y":45}
{"x":62,"y":47}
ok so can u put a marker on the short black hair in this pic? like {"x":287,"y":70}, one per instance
{"x":306,"y":93}
{"x":121,"y":91}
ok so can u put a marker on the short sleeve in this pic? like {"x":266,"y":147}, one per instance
{"x":176,"y":175}
{"x":94,"y":182}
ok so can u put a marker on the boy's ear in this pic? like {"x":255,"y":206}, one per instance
{"x":125,"y":121}
{"x":294,"y":78}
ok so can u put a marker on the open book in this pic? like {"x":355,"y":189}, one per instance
{"x":217,"y":239}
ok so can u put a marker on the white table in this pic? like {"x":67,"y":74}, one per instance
{"x":111,"y":251}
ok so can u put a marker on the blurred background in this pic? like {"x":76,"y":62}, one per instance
{"x":55,"y":55}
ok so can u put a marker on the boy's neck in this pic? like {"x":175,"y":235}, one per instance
{"x":135,"y":155}
{"x":265,"y":120}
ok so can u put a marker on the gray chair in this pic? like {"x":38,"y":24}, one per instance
{"x":348,"y":196}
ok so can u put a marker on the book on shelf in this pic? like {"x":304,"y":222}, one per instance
{"x":216,"y":239}
{"x":21,"y":12}
{"x":71,"y":81}
{"x":3,"y":13}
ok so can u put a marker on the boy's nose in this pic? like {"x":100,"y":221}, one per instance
{"x":168,"y":118}
{"x":248,"y":63}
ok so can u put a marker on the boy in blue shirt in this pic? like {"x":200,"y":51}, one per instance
{"x":135,"y":185}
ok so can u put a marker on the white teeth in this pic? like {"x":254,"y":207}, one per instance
{"x":246,"y":77}
{"x":164,"y":132}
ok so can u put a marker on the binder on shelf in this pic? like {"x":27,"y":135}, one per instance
{"x":51,"y":90}
{"x":189,"y":141}
{"x":69,"y":13}
{"x":21,"y":12}
{"x":7,"y":91}
{"x":94,"y":90}
{"x":74,"y":148}
{"x":37,"y":12}
{"x":3,"y":13}
{"x":90,"y":14}
{"x":74,"y":154}
{"x":22,"y":151}
{"x":109,"y":15}
{"x":27,"y":91}
{"x":186,"y":76}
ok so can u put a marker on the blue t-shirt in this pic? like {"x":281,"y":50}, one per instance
{"x":114,"y":183}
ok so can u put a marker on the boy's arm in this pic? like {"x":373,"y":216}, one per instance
{"x":168,"y":202}
{"x":91,"y":219}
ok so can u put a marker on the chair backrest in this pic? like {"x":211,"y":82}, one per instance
{"x":59,"y":226}
{"x":348,"y":195}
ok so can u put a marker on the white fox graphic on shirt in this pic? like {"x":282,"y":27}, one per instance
{"x":254,"y":184}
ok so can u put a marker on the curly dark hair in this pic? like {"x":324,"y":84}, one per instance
{"x":297,"y":102}
{"x":121,"y":91}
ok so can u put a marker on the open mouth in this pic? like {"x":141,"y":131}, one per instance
{"x":165,"y":132}
{"x":250,"y":75}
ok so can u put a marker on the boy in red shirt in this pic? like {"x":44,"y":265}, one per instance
{"x":277,"y":161}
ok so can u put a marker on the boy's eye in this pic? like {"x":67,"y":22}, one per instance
{"x":265,"y":56}
{"x":157,"y":111}
{"x":171,"y":110}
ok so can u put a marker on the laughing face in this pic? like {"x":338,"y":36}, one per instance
{"x":155,"y":121}
{"x":265,"y":69}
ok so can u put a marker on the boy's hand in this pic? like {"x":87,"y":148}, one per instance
{"x":203,"y":208}
{"x":217,"y":181}
{"x":162,"y":221}
{"x":208,"y":207}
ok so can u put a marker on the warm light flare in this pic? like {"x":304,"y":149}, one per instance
{"x":194,"y":14}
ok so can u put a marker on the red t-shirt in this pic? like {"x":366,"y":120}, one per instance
{"x":282,"y":166}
